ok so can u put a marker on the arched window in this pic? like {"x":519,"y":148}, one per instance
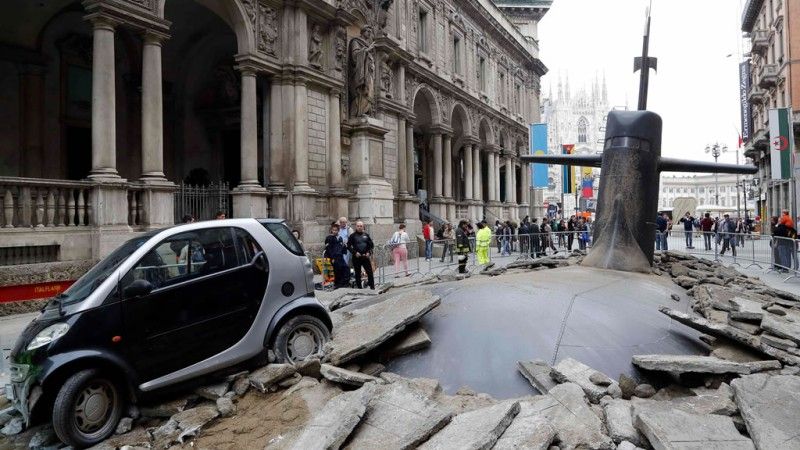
{"x":583,"y":125}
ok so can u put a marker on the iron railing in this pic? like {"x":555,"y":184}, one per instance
{"x":202,"y":202}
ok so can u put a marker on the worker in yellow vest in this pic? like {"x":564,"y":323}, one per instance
{"x":483,"y":240}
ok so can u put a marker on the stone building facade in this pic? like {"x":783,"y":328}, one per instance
{"x":309,"y":110}
{"x":703,"y":188}
{"x":773,"y":28}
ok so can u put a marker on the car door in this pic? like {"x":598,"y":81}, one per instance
{"x":203,"y":300}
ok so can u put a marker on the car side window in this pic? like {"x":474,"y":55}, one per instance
{"x":186,"y":256}
{"x":246,"y":245}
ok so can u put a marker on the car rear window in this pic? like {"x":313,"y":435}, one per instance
{"x":285,"y":236}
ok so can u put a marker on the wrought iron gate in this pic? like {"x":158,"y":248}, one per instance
{"x":202,"y":202}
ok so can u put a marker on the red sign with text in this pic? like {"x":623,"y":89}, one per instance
{"x":33,"y":291}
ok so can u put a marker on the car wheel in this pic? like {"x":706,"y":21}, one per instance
{"x":299,"y":338}
{"x":87,"y":409}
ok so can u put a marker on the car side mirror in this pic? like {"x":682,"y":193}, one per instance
{"x":260,"y":262}
{"x":138,"y":288}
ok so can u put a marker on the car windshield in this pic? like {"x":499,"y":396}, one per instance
{"x":95,"y":277}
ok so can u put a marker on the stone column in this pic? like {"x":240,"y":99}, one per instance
{"x":152,"y":110}
{"x":468,"y":172}
{"x":497,"y":175}
{"x":335,"y":142}
{"x":448,"y":167}
{"x":509,"y":180}
{"x":412,"y":188}
{"x":249,"y":130}
{"x":300,"y":137}
{"x":493,"y":179}
{"x":402,"y":173}
{"x":104,"y":130}
{"x":476,"y":175}
{"x":277,"y":169}
{"x":437,"y":165}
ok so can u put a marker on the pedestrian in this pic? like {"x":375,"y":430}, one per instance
{"x":483,"y":240}
{"x":547,"y":237}
{"x":399,"y":246}
{"x":583,"y":233}
{"x":505,"y":239}
{"x":662,"y":223}
{"x":344,"y":232}
{"x":727,"y":229}
{"x":462,"y":245}
{"x":220,"y":215}
{"x":688,"y":229}
{"x":571,"y":229}
{"x":427,"y":234}
{"x":562,"y":231}
{"x":524,"y":236}
{"x":741,"y":229}
{"x":296,"y":234}
{"x":335,"y":250}
{"x":706,"y":226}
{"x":536,"y":244}
{"x":360,"y":245}
{"x":188,"y":218}
{"x":448,"y":235}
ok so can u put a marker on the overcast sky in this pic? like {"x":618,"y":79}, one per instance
{"x":696,"y":88}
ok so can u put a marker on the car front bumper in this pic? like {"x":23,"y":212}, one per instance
{"x":23,"y":385}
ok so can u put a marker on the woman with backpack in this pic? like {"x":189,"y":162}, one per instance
{"x":399,"y":246}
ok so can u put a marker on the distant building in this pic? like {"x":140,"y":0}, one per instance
{"x":576,"y":119}
{"x":703,"y":188}
{"x":773,"y":28}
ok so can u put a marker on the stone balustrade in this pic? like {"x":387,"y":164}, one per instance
{"x":32,"y":202}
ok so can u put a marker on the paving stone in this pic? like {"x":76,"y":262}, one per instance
{"x":125,"y":425}
{"x":225,"y":407}
{"x":344,"y":376}
{"x":699,"y":401}
{"x":775,"y":341}
{"x":732,"y":351}
{"x":13,"y":426}
{"x":537,"y":372}
{"x":44,"y":438}
{"x":364,"y":329}
{"x":625,"y":445}
{"x":746,"y":309}
{"x":308,"y":368}
{"x":699,"y":364}
{"x":398,"y":416}
{"x":164,"y":410}
{"x":600,"y":379}
{"x":670,"y":428}
{"x":726,"y":331}
{"x":747,"y":327}
{"x":415,"y":338}
{"x":528,"y":431}
{"x":781,"y":327}
{"x":479,"y":429}
{"x":777,"y":310}
{"x":627,"y":385}
{"x":570,"y":370}
{"x":183,"y":426}
{"x":644,"y":391}
{"x":241,"y":385}
{"x":566,"y":408}
{"x":214,"y":391}
{"x":330,"y":426}
{"x":373,"y":369}
{"x":270,"y":375}
{"x":769,"y":406}
{"x":619,"y":421}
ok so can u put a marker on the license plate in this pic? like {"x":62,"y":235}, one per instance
{"x":10,"y":393}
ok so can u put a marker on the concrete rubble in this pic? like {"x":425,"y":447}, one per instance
{"x":359,"y":331}
{"x":700,"y":364}
{"x":744,"y":399}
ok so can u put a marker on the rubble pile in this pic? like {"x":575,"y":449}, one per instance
{"x":735,"y":308}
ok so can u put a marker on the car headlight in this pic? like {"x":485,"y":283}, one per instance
{"x":48,"y":335}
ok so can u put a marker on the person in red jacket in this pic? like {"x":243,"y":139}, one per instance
{"x":706,"y":224}
{"x":427,"y":234}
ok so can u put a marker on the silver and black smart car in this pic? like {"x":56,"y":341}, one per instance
{"x":165,"y":307}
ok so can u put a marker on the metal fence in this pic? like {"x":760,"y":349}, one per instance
{"x":771,"y":253}
{"x":445,"y":256}
{"x":202,"y":202}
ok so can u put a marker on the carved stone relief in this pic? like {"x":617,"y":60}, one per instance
{"x":315,"y":46}
{"x":267,"y":32}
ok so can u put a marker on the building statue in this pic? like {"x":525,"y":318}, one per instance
{"x":386,"y":78}
{"x":362,"y":74}
{"x":315,"y":46}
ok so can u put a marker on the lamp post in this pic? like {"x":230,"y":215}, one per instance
{"x":716,"y":150}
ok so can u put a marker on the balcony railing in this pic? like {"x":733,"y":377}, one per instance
{"x":756,"y":95}
{"x":760,"y":41}
{"x":31,"y":202}
{"x":768,"y":76}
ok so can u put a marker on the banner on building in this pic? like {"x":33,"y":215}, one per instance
{"x":539,"y":147}
{"x":744,"y":103}
{"x":587,"y":182}
{"x":780,"y":138}
{"x":567,"y":178}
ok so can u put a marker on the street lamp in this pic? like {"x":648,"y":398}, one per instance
{"x":716,"y":150}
